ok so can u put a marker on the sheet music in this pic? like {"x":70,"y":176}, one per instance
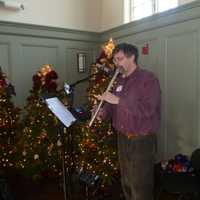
{"x":60,"y":111}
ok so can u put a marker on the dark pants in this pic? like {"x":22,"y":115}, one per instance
{"x":136,"y":158}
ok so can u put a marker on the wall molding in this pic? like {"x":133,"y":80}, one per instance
{"x":38,"y":31}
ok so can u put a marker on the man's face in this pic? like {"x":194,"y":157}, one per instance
{"x":123,"y":61}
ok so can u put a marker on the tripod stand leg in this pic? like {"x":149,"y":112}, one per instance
{"x":64,"y":180}
{"x":86,"y":192}
{"x":66,"y":172}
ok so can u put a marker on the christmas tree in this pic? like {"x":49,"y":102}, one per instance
{"x":9,"y":122}
{"x":96,"y":146}
{"x":40,"y":143}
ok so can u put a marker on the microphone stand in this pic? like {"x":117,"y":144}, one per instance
{"x":73,"y":85}
{"x":65,"y":120}
{"x":67,"y":179}
{"x":66,"y":169}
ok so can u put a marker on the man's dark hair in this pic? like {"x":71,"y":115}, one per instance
{"x":128,"y":50}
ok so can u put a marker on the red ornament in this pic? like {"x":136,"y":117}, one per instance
{"x":3,"y":83}
{"x":145,"y":49}
{"x":51,"y":75}
{"x":51,"y":86}
{"x":102,"y":55}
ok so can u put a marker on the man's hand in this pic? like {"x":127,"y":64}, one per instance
{"x":108,"y":97}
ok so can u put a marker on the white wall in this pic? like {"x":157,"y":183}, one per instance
{"x":88,"y":15}
{"x":72,"y":14}
{"x":112,"y":14}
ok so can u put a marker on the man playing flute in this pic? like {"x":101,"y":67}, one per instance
{"x":134,"y":107}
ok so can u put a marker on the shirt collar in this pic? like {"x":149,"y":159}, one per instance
{"x":133,"y":74}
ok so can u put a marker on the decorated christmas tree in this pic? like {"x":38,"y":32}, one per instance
{"x":40,"y":144}
{"x":96,"y":145}
{"x":9,"y":122}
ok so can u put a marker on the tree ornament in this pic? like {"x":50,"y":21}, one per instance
{"x":36,"y":157}
{"x":59,"y":143}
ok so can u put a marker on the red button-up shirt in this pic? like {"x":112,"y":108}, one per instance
{"x":138,"y":110}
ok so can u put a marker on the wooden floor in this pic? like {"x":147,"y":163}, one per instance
{"x":53,"y":191}
{"x":60,"y":196}
{"x":21,"y":188}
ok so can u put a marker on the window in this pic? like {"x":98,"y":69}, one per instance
{"x":137,"y":9}
{"x":141,"y":8}
{"x":166,"y":5}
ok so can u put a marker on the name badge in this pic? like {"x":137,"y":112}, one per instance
{"x":119,"y":88}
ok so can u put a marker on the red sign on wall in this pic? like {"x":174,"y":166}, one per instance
{"x":145,"y":49}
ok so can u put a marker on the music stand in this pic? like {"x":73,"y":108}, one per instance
{"x":66,"y":117}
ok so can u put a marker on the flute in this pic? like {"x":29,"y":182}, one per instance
{"x":117,"y":71}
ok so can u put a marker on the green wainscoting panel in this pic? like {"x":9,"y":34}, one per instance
{"x":24,"y":48}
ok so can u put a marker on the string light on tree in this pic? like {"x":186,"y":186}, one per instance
{"x":9,"y":122}
{"x":40,"y":146}
{"x":97,"y":144}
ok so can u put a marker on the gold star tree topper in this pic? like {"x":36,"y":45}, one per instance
{"x":108,"y":48}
